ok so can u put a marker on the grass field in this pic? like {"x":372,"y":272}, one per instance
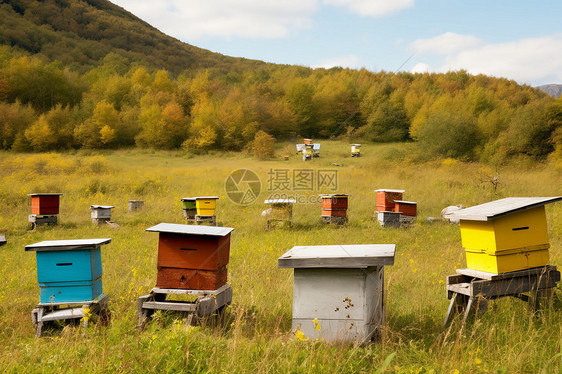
{"x":256,"y":333}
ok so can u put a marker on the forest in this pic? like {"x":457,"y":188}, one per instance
{"x":55,"y":97}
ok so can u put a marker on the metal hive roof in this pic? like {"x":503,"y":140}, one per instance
{"x":498,"y":208}
{"x":175,"y":228}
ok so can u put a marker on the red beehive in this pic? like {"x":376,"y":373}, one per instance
{"x":45,"y":203}
{"x":407,"y":208}
{"x":386,"y":198}
{"x":192,"y":257}
{"x":334,"y":205}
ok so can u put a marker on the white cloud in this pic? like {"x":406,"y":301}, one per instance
{"x":446,"y":43}
{"x":532,"y":60}
{"x":350,"y":61}
{"x":375,"y":8}
{"x":189,"y":20}
{"x":420,"y":68}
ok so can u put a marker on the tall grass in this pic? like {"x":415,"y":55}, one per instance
{"x":255,"y":335}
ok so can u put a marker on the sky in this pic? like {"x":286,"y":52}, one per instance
{"x":516,"y":39}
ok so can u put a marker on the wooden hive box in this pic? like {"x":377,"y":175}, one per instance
{"x":506,"y":235}
{"x":308,"y":141}
{"x":189,"y":203}
{"x":45,"y":203}
{"x":206,"y":205}
{"x":69,"y":270}
{"x":192,"y":257}
{"x":281,"y":208}
{"x":341,"y":286}
{"x":407,"y":208}
{"x":386,"y":198}
{"x":334,"y":205}
{"x":101,"y":211}
{"x":355,"y":150}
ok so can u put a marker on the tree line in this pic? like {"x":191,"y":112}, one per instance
{"x":45,"y":105}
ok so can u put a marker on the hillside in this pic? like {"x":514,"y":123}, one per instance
{"x":553,"y":90}
{"x":80,"y":33}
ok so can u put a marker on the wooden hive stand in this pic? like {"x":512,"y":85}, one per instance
{"x":469,"y":289}
{"x":206,"y":303}
{"x":50,"y":312}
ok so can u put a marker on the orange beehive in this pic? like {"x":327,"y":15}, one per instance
{"x":192,"y":257}
{"x":334,"y":205}
{"x":45,"y":203}
{"x":386,"y":198}
{"x":308,"y":141}
{"x":407,"y":208}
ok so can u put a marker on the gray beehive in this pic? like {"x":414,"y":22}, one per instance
{"x":338,"y":290}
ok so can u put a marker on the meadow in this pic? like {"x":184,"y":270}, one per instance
{"x":255,"y":334}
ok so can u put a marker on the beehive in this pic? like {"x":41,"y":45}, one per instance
{"x":308,"y":141}
{"x":281,"y":209}
{"x":45,"y":203}
{"x":334,"y":205}
{"x":338,"y":290}
{"x":206,"y":205}
{"x":355,"y":150}
{"x":386,"y":198}
{"x":189,"y":206}
{"x":506,"y":235}
{"x":101,"y":213}
{"x":192,"y":257}
{"x":135,"y":205}
{"x":406,"y":208}
{"x":69,"y":270}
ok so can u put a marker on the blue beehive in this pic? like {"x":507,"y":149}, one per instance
{"x":69,"y":270}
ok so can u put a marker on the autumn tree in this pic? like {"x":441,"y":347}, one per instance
{"x":263,"y":145}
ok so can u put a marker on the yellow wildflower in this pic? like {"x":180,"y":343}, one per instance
{"x":300,"y":335}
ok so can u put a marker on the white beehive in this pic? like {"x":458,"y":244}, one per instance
{"x":338,"y":290}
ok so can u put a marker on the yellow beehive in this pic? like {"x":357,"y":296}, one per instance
{"x":206,"y":205}
{"x":506,"y":235}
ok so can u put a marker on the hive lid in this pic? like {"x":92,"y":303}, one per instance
{"x":357,"y":145}
{"x":388,"y":190}
{"x":44,"y":194}
{"x":280,"y":201}
{"x":206,"y":198}
{"x":101,"y":207}
{"x":405,"y":202}
{"x":338,"y":256}
{"x":188,"y":198}
{"x":66,"y":245}
{"x":498,"y":208}
{"x":176,"y":228}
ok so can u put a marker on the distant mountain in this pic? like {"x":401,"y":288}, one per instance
{"x":553,"y":90}
{"x":81,"y":32}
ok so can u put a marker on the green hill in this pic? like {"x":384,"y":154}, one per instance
{"x":80,"y":33}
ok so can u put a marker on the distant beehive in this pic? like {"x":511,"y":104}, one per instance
{"x":135,"y":205}
{"x":308,"y":141}
{"x":189,"y":207}
{"x":101,"y":213}
{"x":505,"y":235}
{"x":386,"y":198}
{"x":355,"y":150}
{"x":206,"y":205}
{"x":192,"y":257}
{"x":45,"y":203}
{"x":406,"y":208}
{"x":334,"y":208}
{"x":69,"y":270}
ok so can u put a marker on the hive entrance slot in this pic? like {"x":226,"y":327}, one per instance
{"x":188,"y":249}
{"x":64,"y":264}
{"x":520,"y":228}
